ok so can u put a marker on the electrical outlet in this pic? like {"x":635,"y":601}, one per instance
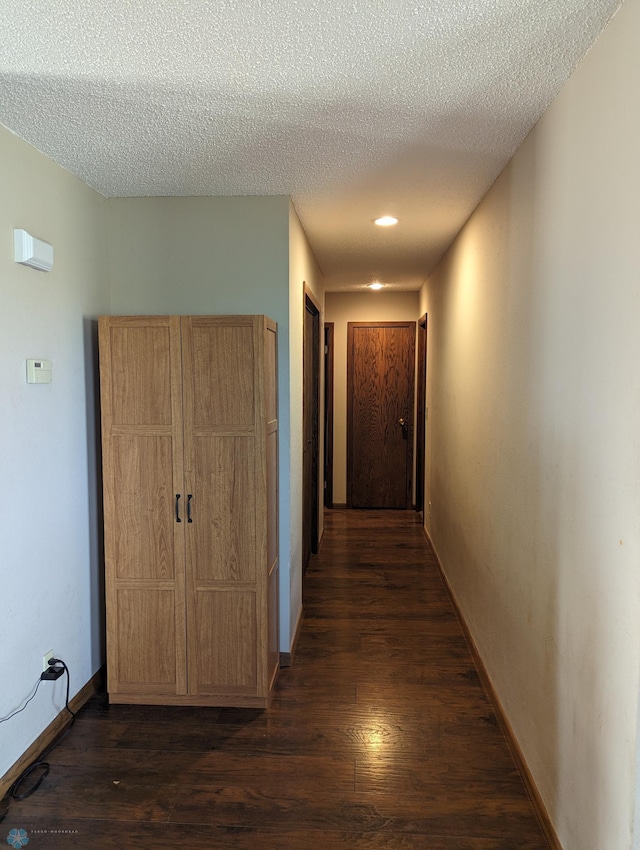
{"x":46,"y":660}
{"x":52,"y":674}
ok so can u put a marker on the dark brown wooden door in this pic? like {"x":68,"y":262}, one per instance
{"x":380,"y":390}
{"x":311,"y":407}
{"x":328,"y":413}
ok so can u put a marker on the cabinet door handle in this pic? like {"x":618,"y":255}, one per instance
{"x":178,"y":508}
{"x":189,"y":497}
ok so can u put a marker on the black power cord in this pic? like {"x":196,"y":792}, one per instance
{"x":18,"y":710}
{"x":40,"y":764}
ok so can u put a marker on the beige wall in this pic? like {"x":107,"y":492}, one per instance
{"x":534,"y":469}
{"x":303,"y":269}
{"x":197,"y":255}
{"x":50,"y":561}
{"x":340,"y":308}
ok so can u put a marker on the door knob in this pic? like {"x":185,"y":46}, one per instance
{"x":402,"y":422}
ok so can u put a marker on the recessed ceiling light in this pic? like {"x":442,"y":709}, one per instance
{"x":386,"y":221}
{"x":376,"y":285}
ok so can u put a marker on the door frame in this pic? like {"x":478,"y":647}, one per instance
{"x":311,"y":305}
{"x":421,"y":412}
{"x":329,"y":342}
{"x":350,"y":413}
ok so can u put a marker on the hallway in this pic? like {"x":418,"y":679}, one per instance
{"x":380,"y":735}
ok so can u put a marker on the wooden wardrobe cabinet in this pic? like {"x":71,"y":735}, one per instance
{"x":189,"y":436}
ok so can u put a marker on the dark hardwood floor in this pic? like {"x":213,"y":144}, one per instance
{"x":380,"y":735}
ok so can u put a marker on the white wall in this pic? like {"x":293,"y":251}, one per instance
{"x":50,"y":585}
{"x":200,"y":256}
{"x":303,"y":269}
{"x":534,"y":466}
{"x":341,"y":308}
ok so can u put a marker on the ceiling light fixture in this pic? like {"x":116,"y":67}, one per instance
{"x":376,"y":285}
{"x":385,"y":221}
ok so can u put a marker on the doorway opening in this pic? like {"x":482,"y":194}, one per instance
{"x":311,"y":427}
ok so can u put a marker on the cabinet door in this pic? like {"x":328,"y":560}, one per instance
{"x":225,"y":483}
{"x":140,"y":364}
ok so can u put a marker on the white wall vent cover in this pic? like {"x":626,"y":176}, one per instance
{"x":32,"y":252}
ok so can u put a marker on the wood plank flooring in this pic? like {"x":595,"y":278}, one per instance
{"x":380,"y":736}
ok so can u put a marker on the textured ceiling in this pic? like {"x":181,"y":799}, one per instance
{"x":355,"y":109}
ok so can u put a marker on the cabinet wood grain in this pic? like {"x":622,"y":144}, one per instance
{"x":189,"y":418}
